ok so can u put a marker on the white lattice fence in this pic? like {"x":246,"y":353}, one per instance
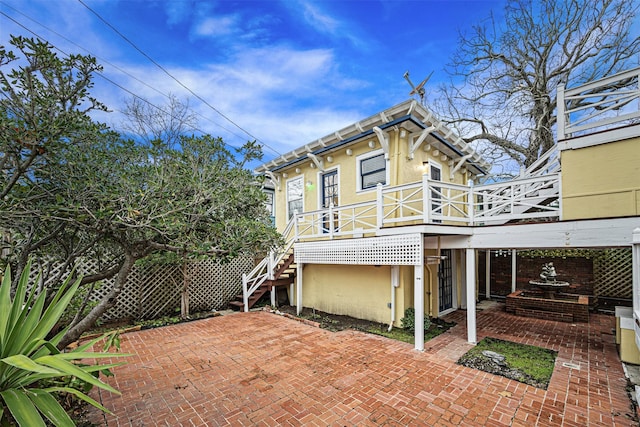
{"x":159,"y":290}
{"x":155,"y":290}
{"x":214,"y":284}
{"x":612,"y":271}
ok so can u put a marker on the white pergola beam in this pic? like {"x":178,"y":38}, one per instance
{"x":596,"y":233}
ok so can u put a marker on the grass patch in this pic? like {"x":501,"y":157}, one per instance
{"x":524,"y":363}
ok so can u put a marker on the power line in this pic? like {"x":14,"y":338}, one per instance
{"x":172,"y":76}
{"x":104,"y":77}
{"x":114,"y":66}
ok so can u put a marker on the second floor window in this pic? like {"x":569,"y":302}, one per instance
{"x":373,"y":171}
{"x":294,"y":197}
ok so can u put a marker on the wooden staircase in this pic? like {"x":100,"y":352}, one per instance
{"x":283,"y":275}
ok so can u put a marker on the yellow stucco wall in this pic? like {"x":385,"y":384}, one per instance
{"x":363,"y":291}
{"x":601,"y":181}
{"x":401,"y":171}
{"x":354,"y":290}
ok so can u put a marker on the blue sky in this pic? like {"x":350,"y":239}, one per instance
{"x":287,"y":72}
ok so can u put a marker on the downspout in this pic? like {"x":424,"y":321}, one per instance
{"x":429,"y":290}
{"x":395,"y":282}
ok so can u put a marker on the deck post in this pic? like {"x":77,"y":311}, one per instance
{"x":298,"y":288}
{"x":514,"y":270}
{"x":487,"y":274}
{"x":379,"y":207}
{"x":426,"y":199}
{"x":330,"y":220}
{"x":471,"y":296}
{"x":471,"y":203}
{"x":561,"y":115}
{"x":418,"y":295}
{"x":245,"y":296}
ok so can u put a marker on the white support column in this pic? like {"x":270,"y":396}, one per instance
{"x":245,"y":293}
{"x":514,"y":270}
{"x":299,"y":288}
{"x":487,"y":274}
{"x":463,"y":273}
{"x":292,"y":287}
{"x":471,"y":295}
{"x":418,"y":295}
{"x":635,"y":265}
{"x":273,"y":296}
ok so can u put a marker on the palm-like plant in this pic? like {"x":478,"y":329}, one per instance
{"x":29,"y":361}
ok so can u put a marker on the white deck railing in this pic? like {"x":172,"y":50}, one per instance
{"x":435,"y":202}
{"x":536,"y":195}
{"x":600,"y":105}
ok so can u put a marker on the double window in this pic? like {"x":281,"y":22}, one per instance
{"x":372,"y":170}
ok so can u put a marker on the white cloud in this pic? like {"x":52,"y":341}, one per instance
{"x":216,"y":26}
{"x":282,"y":96}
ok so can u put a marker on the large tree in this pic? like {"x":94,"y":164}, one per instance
{"x":505,"y":74}
{"x":95,"y":195}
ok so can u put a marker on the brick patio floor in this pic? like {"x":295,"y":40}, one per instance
{"x":261,"y":369}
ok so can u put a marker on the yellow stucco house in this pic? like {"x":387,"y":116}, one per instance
{"x":389,"y":213}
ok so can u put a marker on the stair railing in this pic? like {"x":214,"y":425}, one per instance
{"x":264,"y":270}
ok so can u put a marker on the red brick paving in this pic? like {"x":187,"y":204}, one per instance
{"x":260,"y":369}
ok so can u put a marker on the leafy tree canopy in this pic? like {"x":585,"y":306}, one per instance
{"x":75,"y":189}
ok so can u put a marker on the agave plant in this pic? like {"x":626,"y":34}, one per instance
{"x":30,"y":363}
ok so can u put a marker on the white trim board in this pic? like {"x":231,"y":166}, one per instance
{"x":597,"y":233}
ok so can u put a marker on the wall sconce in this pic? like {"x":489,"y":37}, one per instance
{"x":349,"y":151}
{"x":372,"y":144}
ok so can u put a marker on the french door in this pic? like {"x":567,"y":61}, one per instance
{"x":445,"y":282}
{"x":329,"y":197}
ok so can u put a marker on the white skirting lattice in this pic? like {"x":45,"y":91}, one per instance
{"x":405,"y":249}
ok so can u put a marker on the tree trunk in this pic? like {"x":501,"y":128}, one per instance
{"x":105,"y":303}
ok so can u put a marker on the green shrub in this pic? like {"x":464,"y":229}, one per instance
{"x":33,"y":372}
{"x":409,"y":320}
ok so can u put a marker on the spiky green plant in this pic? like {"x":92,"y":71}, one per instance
{"x":29,"y":361}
